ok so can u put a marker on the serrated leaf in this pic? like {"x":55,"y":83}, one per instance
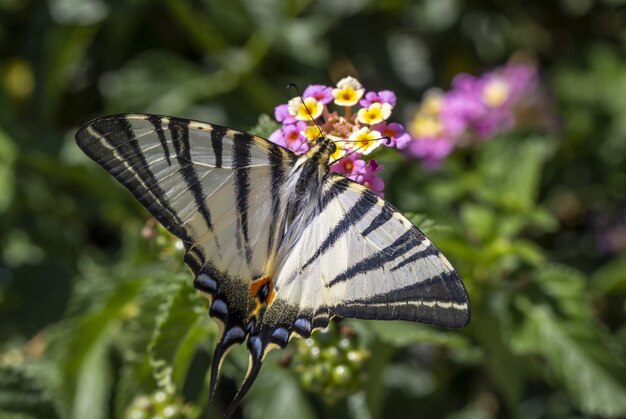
{"x":566,"y":286}
{"x":578,"y":356}
{"x":175,"y":318}
{"x":511,"y":169}
{"x":20,"y":392}
{"x":265,"y":126}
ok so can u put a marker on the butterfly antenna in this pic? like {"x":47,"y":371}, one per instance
{"x":357,"y":150}
{"x":295,"y":87}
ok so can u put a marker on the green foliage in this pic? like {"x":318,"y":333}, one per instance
{"x":98,"y":316}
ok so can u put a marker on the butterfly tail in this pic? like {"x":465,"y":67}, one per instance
{"x":233,"y":335}
{"x":258,"y":348}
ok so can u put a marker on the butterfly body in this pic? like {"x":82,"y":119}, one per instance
{"x":277,"y":242}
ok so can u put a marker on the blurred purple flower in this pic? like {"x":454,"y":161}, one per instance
{"x":474,"y":109}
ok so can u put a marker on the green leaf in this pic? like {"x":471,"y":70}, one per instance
{"x":511,"y":170}
{"x":171,"y":337}
{"x":400,"y":334}
{"x":20,"y":392}
{"x":610,"y":278}
{"x":280,"y":396}
{"x":265,"y":126}
{"x":479,"y":220}
{"x":578,"y":356}
{"x":86,"y":341}
{"x":8,"y":154}
{"x":566,"y":287}
{"x":93,"y":383}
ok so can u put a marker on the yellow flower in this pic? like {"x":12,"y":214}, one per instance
{"x":425,"y":126}
{"x":348,"y":92}
{"x":298,"y":110}
{"x":432,"y":102}
{"x":364,"y":140}
{"x":374,"y":114}
{"x":312,"y":133}
{"x":496,"y":92}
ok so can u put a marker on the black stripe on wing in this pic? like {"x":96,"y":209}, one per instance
{"x":399,"y":247}
{"x":158,"y":128}
{"x":437,"y":300}
{"x":241,"y":155}
{"x":112,"y":143}
{"x":180,"y":138}
{"x":355,"y":214}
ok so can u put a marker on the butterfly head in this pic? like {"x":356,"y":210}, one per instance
{"x":322,"y":150}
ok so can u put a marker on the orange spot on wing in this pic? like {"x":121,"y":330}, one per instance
{"x":255,"y":288}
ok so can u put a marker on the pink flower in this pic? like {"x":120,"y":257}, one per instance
{"x":281,"y":113}
{"x":399,"y":138}
{"x":293,"y":138}
{"x":369,"y":178}
{"x":323,"y":94}
{"x":351,"y":165}
{"x":384,"y":96}
{"x":431,"y":151}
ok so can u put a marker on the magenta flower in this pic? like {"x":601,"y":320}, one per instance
{"x":351,"y":165}
{"x":432,"y":151}
{"x":293,"y":139}
{"x":395,"y":132}
{"x":369,"y":178}
{"x":384,"y":96}
{"x":353,"y":125}
{"x":281,"y":113}
{"x":323,"y":94}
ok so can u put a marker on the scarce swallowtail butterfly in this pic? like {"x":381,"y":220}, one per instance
{"x":276,"y":242}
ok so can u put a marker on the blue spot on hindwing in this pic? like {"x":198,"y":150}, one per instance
{"x":206,"y":283}
{"x":219,"y":309}
{"x":303,"y":327}
{"x":234,"y":334}
{"x":280,"y":336}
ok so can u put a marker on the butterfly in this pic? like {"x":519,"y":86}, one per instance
{"x":277,"y":242}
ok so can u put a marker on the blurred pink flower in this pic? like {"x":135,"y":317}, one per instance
{"x":474,"y":109}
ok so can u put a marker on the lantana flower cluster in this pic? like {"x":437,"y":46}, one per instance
{"x":475,"y":109}
{"x":358,"y":123}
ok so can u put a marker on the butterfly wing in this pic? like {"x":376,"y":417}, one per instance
{"x":214,"y":188}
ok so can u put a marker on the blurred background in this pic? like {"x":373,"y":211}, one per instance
{"x":98,"y":317}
